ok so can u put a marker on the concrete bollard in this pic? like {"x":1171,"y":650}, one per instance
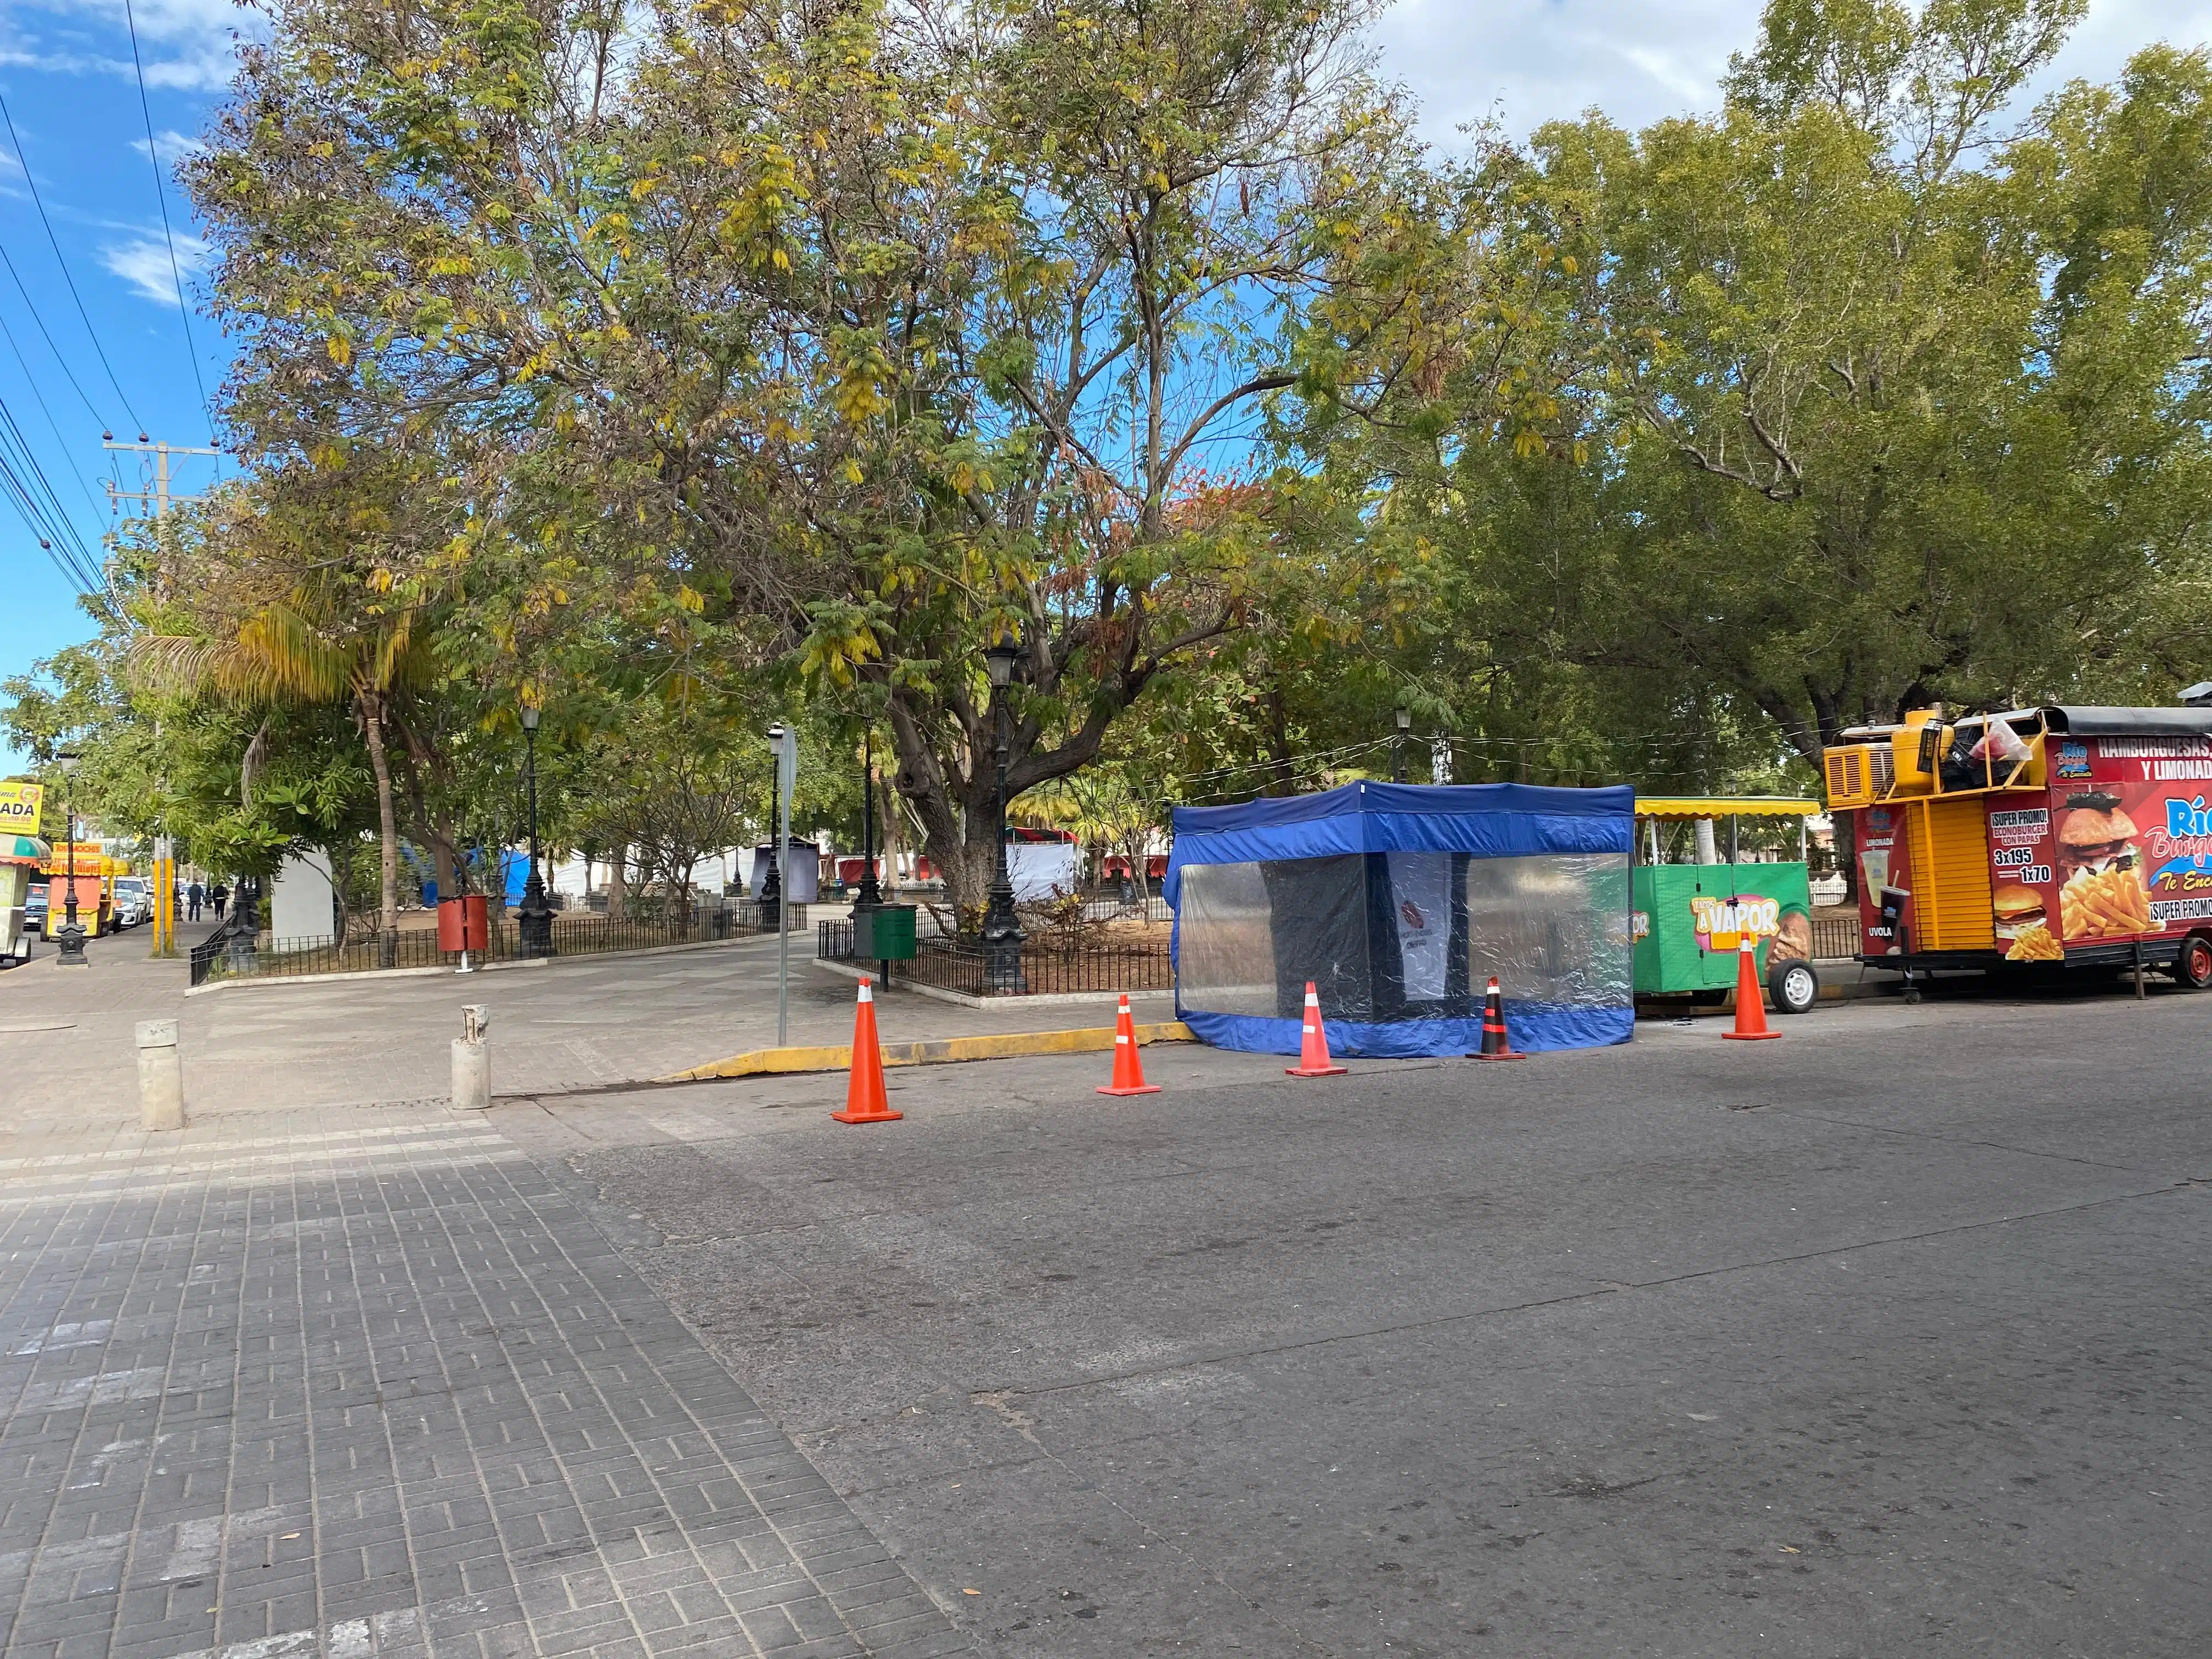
{"x":472,"y":1059}
{"x":160,"y":1077}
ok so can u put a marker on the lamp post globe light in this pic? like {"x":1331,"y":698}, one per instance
{"x":71,"y":936}
{"x":1002,"y":931}
{"x":1398,"y":746}
{"x":534,"y":921}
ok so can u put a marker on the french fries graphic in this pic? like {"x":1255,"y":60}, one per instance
{"x":2035,"y":945}
{"x":2097,"y":906}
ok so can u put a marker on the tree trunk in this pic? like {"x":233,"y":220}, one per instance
{"x":387,"y":832}
{"x":444,"y":866}
{"x":341,"y":879}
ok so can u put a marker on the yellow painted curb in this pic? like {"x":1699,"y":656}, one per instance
{"x":766,"y":1062}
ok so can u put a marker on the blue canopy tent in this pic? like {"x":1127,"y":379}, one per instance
{"x":1399,"y":902}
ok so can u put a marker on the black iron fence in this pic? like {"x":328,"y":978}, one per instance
{"x":1109,"y":904}
{"x":1050,"y":968}
{"x":1835,"y":937}
{"x":231,"y":934}
{"x":243,"y":955}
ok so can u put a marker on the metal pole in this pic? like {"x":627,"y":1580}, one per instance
{"x":782,"y":931}
{"x":534,"y":925}
{"x":530,"y":766}
{"x":871,"y":891}
{"x":72,"y":934}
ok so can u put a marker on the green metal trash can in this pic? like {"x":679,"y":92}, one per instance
{"x":883,"y":932}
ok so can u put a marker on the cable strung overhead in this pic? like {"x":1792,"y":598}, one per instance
{"x":24,"y":161}
{"x":162,"y":197}
{"x":53,"y":425}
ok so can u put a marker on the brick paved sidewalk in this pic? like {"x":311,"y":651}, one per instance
{"x":350,"y":1384}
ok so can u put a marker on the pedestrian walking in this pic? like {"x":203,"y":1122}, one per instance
{"x":193,"y":895}
{"x":218,"y":896}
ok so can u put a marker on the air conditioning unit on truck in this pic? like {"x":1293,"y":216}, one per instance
{"x":2069,"y":835}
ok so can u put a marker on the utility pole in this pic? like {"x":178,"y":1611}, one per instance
{"x":158,"y":497}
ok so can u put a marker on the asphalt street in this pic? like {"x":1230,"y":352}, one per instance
{"x":1888,"y":1337}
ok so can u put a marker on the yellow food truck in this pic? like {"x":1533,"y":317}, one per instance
{"x":96,"y":910}
{"x":2063,"y":837}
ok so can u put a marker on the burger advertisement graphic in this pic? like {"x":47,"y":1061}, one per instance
{"x":2101,"y":892}
{"x":2124,"y":853}
{"x":2022,"y":896}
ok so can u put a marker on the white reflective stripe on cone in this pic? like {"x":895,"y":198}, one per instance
{"x":865,"y":996}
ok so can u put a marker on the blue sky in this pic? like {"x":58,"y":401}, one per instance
{"x":80,"y":136}
{"x":66,"y":74}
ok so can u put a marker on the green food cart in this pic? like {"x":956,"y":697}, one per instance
{"x":1690,"y":917}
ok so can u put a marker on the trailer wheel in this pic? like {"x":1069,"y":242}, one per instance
{"x":1793,"y":986}
{"x":2192,"y":968}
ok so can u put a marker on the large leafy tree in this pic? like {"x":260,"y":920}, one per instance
{"x":839,"y":339}
{"x":1861,"y":392}
{"x":292,"y":605}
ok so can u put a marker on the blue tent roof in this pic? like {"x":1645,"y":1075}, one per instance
{"x":1487,"y":820}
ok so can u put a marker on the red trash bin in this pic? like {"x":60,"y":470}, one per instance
{"x":463,"y":924}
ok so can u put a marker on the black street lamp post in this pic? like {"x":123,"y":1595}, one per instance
{"x":534,"y":921}
{"x":872,"y":892}
{"x":1002,"y":931}
{"x":71,"y":935}
{"x":1398,"y":746}
{"x":772,"y":883}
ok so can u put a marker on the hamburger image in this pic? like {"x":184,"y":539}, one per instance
{"x":2095,"y":836}
{"x":2017,"y":909}
{"x":2100,"y":894}
{"x":1793,"y":938}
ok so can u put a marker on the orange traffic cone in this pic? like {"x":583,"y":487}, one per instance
{"x":1750,"y":1000}
{"x":1129,"y":1072}
{"x":1313,"y":1044}
{"x":865,"y":1100}
{"x":1495,"y":1043}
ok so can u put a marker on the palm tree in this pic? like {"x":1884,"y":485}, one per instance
{"x":325,"y":639}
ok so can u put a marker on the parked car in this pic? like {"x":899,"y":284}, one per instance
{"x":34,"y":909}
{"x":134,"y":902}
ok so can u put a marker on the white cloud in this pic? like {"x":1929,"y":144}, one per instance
{"x":145,"y":263}
{"x":185,"y":45}
{"x":1526,"y":62}
{"x":173,"y":147}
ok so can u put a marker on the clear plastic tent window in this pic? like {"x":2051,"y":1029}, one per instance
{"x":1410,"y":900}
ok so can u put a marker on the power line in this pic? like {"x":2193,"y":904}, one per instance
{"x":162,"y":197}
{"x":56,"y":530}
{"x":59,"y":517}
{"x":53,"y":425}
{"x":46,"y":334}
{"x":27,"y":508}
{"x":24,"y":161}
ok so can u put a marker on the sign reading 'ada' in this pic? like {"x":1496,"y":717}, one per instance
{"x":20,"y":805}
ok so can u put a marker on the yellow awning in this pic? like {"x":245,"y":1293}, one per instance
{"x":1723,"y":807}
